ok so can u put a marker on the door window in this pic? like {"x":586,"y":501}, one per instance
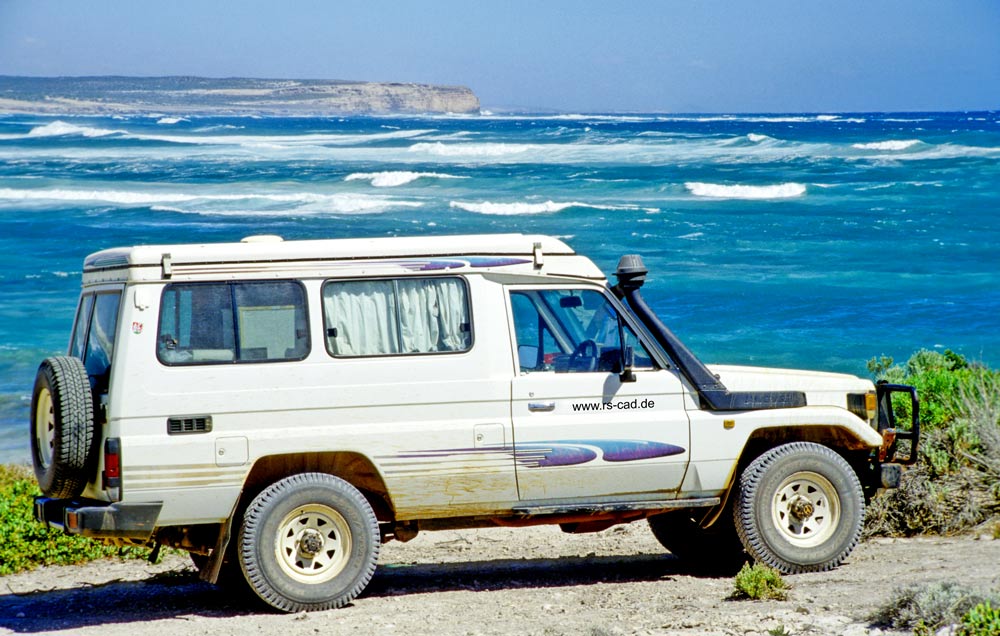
{"x":571,"y":331}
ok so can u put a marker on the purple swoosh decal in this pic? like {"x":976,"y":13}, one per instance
{"x":563,"y":452}
{"x":543,"y":455}
{"x":623,"y":450}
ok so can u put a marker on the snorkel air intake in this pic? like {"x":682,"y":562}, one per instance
{"x":631,"y":274}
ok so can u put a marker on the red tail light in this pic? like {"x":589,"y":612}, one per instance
{"x":112,"y":475}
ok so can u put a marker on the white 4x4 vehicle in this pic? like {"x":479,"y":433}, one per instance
{"x":280,"y":409}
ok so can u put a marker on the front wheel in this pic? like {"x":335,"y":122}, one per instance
{"x":309,"y":542}
{"x":800,"y":508}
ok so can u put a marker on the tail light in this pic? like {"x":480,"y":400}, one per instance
{"x":111,"y":477}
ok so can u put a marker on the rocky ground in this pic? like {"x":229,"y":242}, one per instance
{"x":499,"y":581}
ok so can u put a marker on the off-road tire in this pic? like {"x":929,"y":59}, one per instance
{"x":800,"y":508}
{"x":62,"y":427}
{"x":713,"y":550}
{"x":309,"y":542}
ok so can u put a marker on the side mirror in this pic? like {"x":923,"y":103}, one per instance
{"x":628,"y":361}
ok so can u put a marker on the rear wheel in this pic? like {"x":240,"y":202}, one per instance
{"x":800,"y":508}
{"x":309,"y":542}
{"x":62,"y":427}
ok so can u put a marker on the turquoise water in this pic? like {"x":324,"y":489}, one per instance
{"x":779,"y":240}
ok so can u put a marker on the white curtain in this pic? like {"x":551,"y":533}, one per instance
{"x":410,"y":316}
{"x":364,"y":316}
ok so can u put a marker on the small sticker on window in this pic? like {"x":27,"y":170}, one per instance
{"x":137,"y":328}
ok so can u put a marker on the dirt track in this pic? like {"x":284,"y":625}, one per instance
{"x":498,"y":581}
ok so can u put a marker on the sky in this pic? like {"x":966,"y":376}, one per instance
{"x":570,"y":56}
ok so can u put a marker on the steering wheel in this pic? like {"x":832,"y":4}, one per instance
{"x":585,"y":356}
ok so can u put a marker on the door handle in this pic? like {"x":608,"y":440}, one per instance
{"x":541,"y":407}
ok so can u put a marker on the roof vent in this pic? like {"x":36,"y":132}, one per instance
{"x":262,"y":238}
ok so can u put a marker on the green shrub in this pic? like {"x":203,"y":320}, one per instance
{"x":981,"y":620}
{"x":26,"y":544}
{"x":956,"y":482}
{"x":759,"y":582}
{"x":929,"y":607}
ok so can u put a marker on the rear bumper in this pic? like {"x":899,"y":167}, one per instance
{"x":99,"y":519}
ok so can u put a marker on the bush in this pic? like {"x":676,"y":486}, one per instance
{"x":981,"y":620}
{"x":929,"y":607}
{"x":759,"y":582}
{"x":956,"y":483}
{"x":26,"y":544}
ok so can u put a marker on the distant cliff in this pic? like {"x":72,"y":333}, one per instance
{"x":125,"y":95}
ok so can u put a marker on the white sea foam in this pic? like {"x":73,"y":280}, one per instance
{"x":167,"y":121}
{"x":892,"y":145}
{"x":60,"y":128}
{"x":519,"y":208}
{"x":470,"y":150}
{"x":754,"y":137}
{"x":717,"y":191}
{"x":210,"y":202}
{"x":394,"y":178}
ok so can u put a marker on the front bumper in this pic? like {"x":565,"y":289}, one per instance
{"x":99,"y":519}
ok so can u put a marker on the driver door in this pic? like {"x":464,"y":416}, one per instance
{"x":580,"y":431}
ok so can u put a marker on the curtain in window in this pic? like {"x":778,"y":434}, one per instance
{"x":364,"y":316}
{"x":403,"y":316}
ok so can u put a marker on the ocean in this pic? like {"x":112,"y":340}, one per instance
{"x":800,"y":240}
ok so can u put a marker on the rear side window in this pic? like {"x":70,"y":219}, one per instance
{"x":218,"y":323}
{"x":94,"y":336}
{"x":396,"y":317}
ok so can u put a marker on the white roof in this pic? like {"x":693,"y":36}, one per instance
{"x":271,"y":256}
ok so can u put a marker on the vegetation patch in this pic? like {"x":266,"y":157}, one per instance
{"x":759,"y":582}
{"x":26,"y":544}
{"x":956,"y":483}
{"x":927,"y":608}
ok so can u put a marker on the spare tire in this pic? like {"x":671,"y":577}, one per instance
{"x":62,"y":427}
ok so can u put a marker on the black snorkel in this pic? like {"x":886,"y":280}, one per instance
{"x":631,"y":274}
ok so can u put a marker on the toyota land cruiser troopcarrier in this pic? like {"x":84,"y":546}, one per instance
{"x":280,"y":409}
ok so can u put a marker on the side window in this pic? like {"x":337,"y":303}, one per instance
{"x":101,"y":339}
{"x":206,"y":323}
{"x":396,"y":317}
{"x":79,"y":341}
{"x":571,"y":330}
{"x":94,"y":336}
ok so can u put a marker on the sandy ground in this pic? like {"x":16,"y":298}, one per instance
{"x":499,"y":581}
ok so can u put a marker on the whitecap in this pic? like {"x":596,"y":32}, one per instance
{"x":718,"y":191}
{"x":389,"y":179}
{"x":754,"y":137}
{"x":894,"y":145}
{"x":297,"y":203}
{"x":472,"y":150}
{"x":519,"y":208}
{"x":167,"y":121}
{"x":60,"y":128}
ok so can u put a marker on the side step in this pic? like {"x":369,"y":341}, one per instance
{"x":615,"y":506}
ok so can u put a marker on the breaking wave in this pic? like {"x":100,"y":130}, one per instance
{"x":60,"y":128}
{"x":394,"y":178}
{"x":717,"y":191}
{"x":520,"y":208}
{"x":895,"y":144}
{"x":271,"y":204}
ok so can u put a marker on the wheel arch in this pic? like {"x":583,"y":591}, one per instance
{"x":354,"y":468}
{"x":843,"y":440}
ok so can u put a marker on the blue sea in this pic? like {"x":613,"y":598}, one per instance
{"x":811,"y":241}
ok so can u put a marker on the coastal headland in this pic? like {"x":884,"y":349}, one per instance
{"x":111,"y":95}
